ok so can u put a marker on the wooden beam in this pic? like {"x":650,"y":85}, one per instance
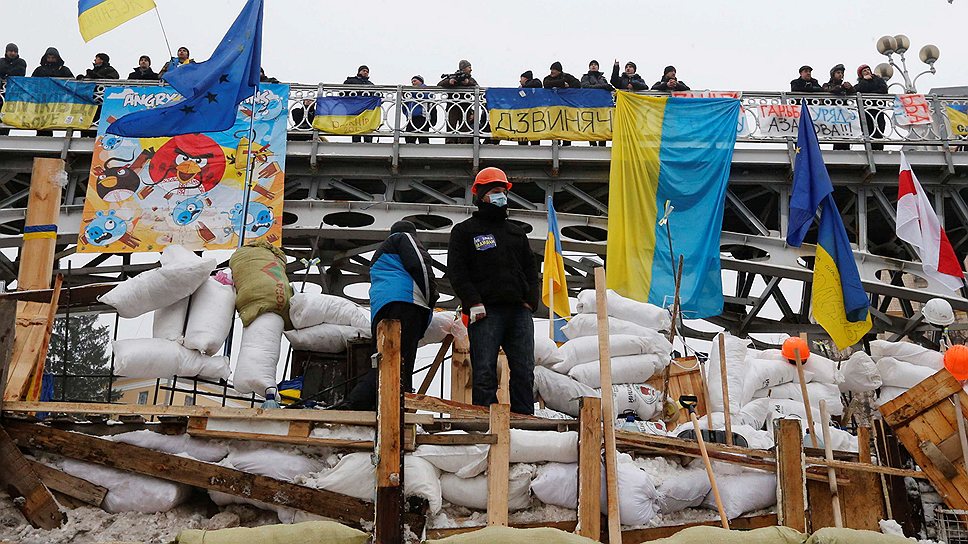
{"x":435,"y":367}
{"x":608,"y":409}
{"x":37,"y":374}
{"x":498,"y":459}
{"x":20,"y":480}
{"x":503,"y":379}
{"x":727,"y":418}
{"x":428,"y":403}
{"x":347,"y":510}
{"x":460,"y":372}
{"x":319,"y":416}
{"x":868,"y":468}
{"x":791,"y":475}
{"x":589,"y":468}
{"x":456,"y":439}
{"x":8,"y":317}
{"x":72,"y":486}
{"x":389,"y":436}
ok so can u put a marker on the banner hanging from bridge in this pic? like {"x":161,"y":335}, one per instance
{"x":46,"y":103}
{"x":911,"y":109}
{"x":550,"y":114}
{"x":778,"y":120}
{"x":147,"y":193}
{"x":958,"y":119}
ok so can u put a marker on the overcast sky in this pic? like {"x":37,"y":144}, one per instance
{"x":748,"y":45}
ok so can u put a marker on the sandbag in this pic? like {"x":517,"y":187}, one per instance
{"x":255,"y":369}
{"x":310,"y":309}
{"x":717,"y":535}
{"x":889,"y":393}
{"x":823,"y":369}
{"x":210,"y":316}
{"x":642,"y":399}
{"x":561,"y":392}
{"x":860,"y":374}
{"x":687,"y":489}
{"x":585,"y":349}
{"x":816,"y":390}
{"x":209,"y":451}
{"x":472,"y":492}
{"x":736,"y":369}
{"x":759,"y":413}
{"x":546,"y":352}
{"x":557,"y":484}
{"x":175,"y":254}
{"x":755,"y":438}
{"x":896,"y":373}
{"x":743,"y":492}
{"x":543,"y":446}
{"x":638,"y":500}
{"x":127,"y":491}
{"x":453,"y":459}
{"x":907,"y":352}
{"x":766,"y":373}
{"x":647,"y":315}
{"x":259,"y":272}
{"x":275,"y":462}
{"x":627,"y":369}
{"x":509,"y":535}
{"x":833,"y":535}
{"x":441,"y":325}
{"x":583,"y":325}
{"x":158,"y":287}
{"x":325,"y":338}
{"x":355,"y":475}
{"x":840,"y":440}
{"x":157,"y":358}
{"x":168,"y":323}
{"x":329,"y":532}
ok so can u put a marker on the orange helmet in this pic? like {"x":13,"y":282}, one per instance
{"x":956,"y":361}
{"x":490,"y":175}
{"x":794,"y":345}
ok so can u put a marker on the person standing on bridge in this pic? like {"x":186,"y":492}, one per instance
{"x":362,"y":77}
{"x":495,"y":275}
{"x":11,"y":65}
{"x":402,"y":287}
{"x":805,"y":83}
{"x":594,"y":79}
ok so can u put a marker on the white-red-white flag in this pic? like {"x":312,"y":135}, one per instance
{"x":918,"y":225}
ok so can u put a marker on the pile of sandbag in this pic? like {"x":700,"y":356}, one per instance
{"x":325,"y":323}
{"x":193,"y":314}
{"x":901,"y":366}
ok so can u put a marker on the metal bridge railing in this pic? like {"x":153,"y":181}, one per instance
{"x":460,"y":115}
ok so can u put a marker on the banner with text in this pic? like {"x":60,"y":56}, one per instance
{"x":828,"y":121}
{"x":147,"y":193}
{"x":550,"y":114}
{"x":743,"y":127}
{"x":958,"y":119}
{"x":911,"y":109}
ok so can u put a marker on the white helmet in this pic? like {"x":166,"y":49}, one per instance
{"x":937,"y":311}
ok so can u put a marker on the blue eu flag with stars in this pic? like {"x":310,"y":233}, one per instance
{"x":212,"y":89}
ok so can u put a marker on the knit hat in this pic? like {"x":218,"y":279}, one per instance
{"x":632,"y":64}
{"x":593,"y":61}
{"x":418,"y":77}
{"x":362,"y":67}
{"x":529,"y":74}
{"x":144,"y":57}
{"x":403,"y":226}
{"x":805,"y":67}
{"x":556,"y":66}
{"x":861,"y":68}
{"x":12,"y":47}
{"x":668,"y":69}
{"x":839,"y":67}
{"x":187,"y":52}
{"x":463,"y":64}
{"x":104,"y":57}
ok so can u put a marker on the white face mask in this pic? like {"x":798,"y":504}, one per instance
{"x":498,"y":199}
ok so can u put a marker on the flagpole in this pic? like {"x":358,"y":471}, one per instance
{"x":163,"y":33}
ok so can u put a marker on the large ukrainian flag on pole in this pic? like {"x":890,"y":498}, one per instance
{"x":95,"y":17}
{"x":554,"y":289}
{"x":839,"y":302}
{"x":677,"y":150}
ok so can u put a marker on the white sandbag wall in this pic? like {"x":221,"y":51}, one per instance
{"x":255,"y":370}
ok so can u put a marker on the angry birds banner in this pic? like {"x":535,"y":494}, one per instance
{"x":147,"y":193}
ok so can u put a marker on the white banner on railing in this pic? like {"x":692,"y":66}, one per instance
{"x":911,"y":109}
{"x":743,"y":127}
{"x":828,"y":121}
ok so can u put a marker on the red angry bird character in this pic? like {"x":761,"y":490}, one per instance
{"x":194,"y":161}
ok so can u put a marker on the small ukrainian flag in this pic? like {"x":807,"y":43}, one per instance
{"x":348,"y":114}
{"x":95,"y":17}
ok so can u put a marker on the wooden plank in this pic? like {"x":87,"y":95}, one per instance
{"x":428,"y":403}
{"x":21,"y":481}
{"x":503,"y":379}
{"x":589,"y":467}
{"x":456,"y":439}
{"x":8,"y":318}
{"x":683,"y":381}
{"x":37,"y":374}
{"x":345,"y":417}
{"x":725,"y":382}
{"x":363,"y":445}
{"x":460,"y":372}
{"x":435,"y":367}
{"x":347,"y":510}
{"x":608,"y":409}
{"x":498,"y":467}
{"x":920,"y":398}
{"x":389,"y":436}
{"x":78,"y":488}
{"x":811,"y":428}
{"x":867,"y":468}
{"x":791,"y":475}
{"x":863,"y":498}
{"x":831,"y":474}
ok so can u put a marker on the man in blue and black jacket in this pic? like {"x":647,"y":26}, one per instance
{"x":402,"y":287}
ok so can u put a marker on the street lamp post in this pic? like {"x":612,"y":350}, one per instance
{"x":900,"y":44}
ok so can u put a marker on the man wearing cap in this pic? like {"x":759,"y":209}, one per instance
{"x":495,"y":275}
{"x":460,"y":114}
{"x":628,"y":80}
{"x":402,"y":287}
{"x":102,"y":69}
{"x":11,"y":65}
{"x":416,"y":111}
{"x":805,"y":83}
{"x":669,"y":82}
{"x":362,"y":77}
{"x":559,"y":79}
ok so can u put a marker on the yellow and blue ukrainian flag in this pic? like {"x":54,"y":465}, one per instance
{"x":348,"y":114}
{"x":677,"y":150}
{"x":541,"y":114}
{"x":95,"y":17}
{"x":554,"y":276}
{"x":839,"y":303}
{"x":958,"y":119}
{"x":46,"y":103}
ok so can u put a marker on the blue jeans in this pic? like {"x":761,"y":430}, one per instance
{"x":511,"y":328}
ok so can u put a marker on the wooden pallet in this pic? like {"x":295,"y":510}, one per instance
{"x":683,"y":382}
{"x":924,"y":421}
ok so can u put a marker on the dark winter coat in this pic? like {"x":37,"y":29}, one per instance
{"x":564,"y":80}
{"x":168,"y":66}
{"x":143,"y":74}
{"x":55,"y":69}
{"x":104,"y":71}
{"x":467,"y":82}
{"x":621,"y":81}
{"x":595,"y":80}
{"x":533,"y":83}
{"x":800,"y":85}
{"x":874,"y":85}
{"x":357,"y":80}
{"x":836,"y":88}
{"x":402,"y":271}
{"x":489,"y":261}
{"x":12,"y":67}
{"x":661,"y":85}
